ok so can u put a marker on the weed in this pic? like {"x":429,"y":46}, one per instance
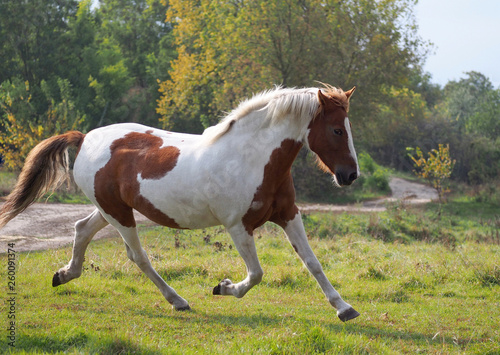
{"x":178,"y":244}
{"x":488,"y":276}
{"x":218,"y":246}
{"x":415,"y":284}
{"x":374,"y":274}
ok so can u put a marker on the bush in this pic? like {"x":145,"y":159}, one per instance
{"x":312,"y":184}
{"x":373,"y":177}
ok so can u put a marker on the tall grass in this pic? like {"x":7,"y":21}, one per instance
{"x":417,"y":295}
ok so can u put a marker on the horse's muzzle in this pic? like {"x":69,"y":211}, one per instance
{"x":345,"y":178}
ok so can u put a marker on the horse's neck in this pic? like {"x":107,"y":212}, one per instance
{"x":287,"y":128}
{"x":258,"y":142}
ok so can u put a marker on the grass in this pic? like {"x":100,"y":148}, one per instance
{"x":7,"y":182}
{"x":423,"y":283}
{"x":414,"y":296}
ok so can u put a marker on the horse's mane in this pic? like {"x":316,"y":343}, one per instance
{"x":279,"y":103}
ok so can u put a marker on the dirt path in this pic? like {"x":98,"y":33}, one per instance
{"x":45,"y":226}
{"x":48,"y":226}
{"x":402,"y":190}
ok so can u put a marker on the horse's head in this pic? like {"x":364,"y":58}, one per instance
{"x":330,"y":136}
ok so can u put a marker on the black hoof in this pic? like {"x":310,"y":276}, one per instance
{"x":184,"y":308}
{"x":216,"y":290}
{"x":351,"y":313}
{"x":55,"y":280}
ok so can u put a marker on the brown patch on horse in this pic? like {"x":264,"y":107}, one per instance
{"x":276,"y":195}
{"x":117,"y":189}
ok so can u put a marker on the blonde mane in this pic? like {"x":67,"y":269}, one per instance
{"x":279,"y":103}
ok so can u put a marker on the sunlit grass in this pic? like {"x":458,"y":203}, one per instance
{"x":413,"y":297}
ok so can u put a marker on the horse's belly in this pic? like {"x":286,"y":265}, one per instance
{"x":197,"y":203}
{"x":183,"y":216}
{"x":175,"y":206}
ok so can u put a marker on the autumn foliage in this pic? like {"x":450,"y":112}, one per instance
{"x":436,"y":168}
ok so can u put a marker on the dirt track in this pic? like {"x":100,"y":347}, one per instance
{"x":44,"y":226}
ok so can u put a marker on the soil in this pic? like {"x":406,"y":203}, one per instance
{"x":48,"y":226}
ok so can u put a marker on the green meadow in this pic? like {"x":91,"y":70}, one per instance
{"x":422,"y":283}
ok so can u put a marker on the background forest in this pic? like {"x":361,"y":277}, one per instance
{"x":181,"y":64}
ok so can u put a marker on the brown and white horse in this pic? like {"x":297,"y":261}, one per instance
{"x":235,"y":174}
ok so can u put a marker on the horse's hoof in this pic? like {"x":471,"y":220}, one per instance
{"x":349,"y":314}
{"x":55,"y":280}
{"x":218,"y":288}
{"x":183,"y":308}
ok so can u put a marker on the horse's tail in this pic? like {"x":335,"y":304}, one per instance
{"x":46,"y":167}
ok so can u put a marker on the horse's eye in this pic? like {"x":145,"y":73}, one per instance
{"x":338,"y":132}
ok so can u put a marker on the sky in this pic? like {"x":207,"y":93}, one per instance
{"x":466,"y":37}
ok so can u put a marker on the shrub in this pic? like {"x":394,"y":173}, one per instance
{"x":373,"y":176}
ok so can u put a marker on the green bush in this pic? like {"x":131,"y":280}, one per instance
{"x":373,"y":177}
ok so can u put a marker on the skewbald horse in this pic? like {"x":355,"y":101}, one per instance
{"x":235,"y":174}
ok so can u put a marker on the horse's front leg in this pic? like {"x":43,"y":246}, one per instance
{"x":296,"y":234}
{"x":245,"y":245}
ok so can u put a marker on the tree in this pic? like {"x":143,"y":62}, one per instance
{"x":397,"y":122}
{"x":143,"y":39}
{"x":32,"y":32}
{"x":49,"y":40}
{"x":21,"y":127}
{"x":436,"y":168}
{"x":228,"y":50}
{"x":485,"y":121}
{"x":19,"y":131}
{"x":465,"y":97}
{"x":110,"y":84}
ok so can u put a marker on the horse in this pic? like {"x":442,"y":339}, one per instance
{"x":236,"y":174}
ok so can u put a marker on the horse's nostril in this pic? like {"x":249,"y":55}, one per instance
{"x":353,"y":177}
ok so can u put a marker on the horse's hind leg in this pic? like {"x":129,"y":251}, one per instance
{"x":137,"y":254}
{"x":85,"y":229}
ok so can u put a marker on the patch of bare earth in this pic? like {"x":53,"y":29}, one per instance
{"x":48,"y":226}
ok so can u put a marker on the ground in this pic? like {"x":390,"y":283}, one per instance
{"x":44,"y":226}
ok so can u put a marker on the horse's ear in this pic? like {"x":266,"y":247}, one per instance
{"x":349,"y":92}
{"x":322,"y":98}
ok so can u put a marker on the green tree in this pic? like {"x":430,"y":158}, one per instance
{"x":485,"y":121}
{"x":143,"y":37}
{"x":33,"y":44}
{"x":467,"y":117}
{"x":32,"y":32}
{"x":110,"y":84}
{"x":465,"y":97}
{"x":397,"y":121}
{"x":21,"y":127}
